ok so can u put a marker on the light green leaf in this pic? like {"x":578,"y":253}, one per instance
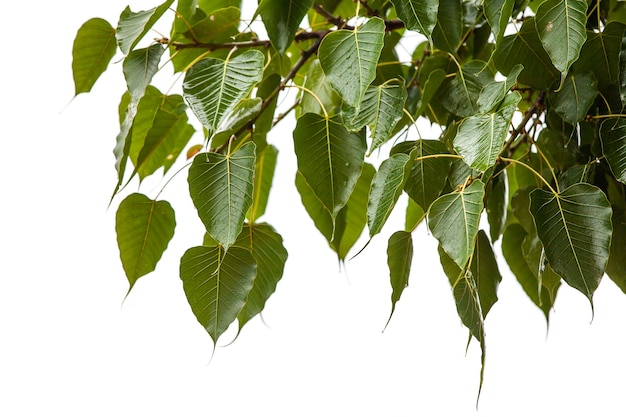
{"x":454,"y":218}
{"x":575,"y":97}
{"x":240,"y":115}
{"x":575,"y":229}
{"x":329,"y":157}
{"x":319,"y":87}
{"x":144,"y":228}
{"x":349,"y":58}
{"x":613,"y":138}
{"x":94,"y":47}
{"x":480,"y":138}
{"x":381,"y":109}
{"x":133,"y":26}
{"x":213,"y":87}
{"x":386,"y":189}
{"x":219,"y":26}
{"x":221,"y":189}
{"x":281,"y":19}
{"x":217,"y":284}
{"x":418,"y":15}
{"x":266,"y":246}
{"x":561,"y":28}
{"x":498,"y":13}
{"x":399,"y":259}
{"x":263,"y":178}
{"x":414,"y":215}
{"x":449,"y":28}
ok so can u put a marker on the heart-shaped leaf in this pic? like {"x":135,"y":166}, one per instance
{"x":575,"y":97}
{"x":613,"y":138}
{"x":133,"y":26}
{"x":221,"y":189}
{"x":263,"y":178}
{"x":94,"y":47}
{"x":399,"y":259}
{"x":281,"y":19}
{"x":419,"y":15}
{"x":449,"y":28}
{"x":498,"y":13}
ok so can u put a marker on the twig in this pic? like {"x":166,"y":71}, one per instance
{"x":536,"y":108}
{"x":215,"y":46}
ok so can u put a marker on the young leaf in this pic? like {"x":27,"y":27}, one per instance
{"x":281,"y":19}
{"x":575,"y":97}
{"x":613,"y":138}
{"x":349,"y":58}
{"x":94,"y":47}
{"x":133,"y":26}
{"x":221,"y":190}
{"x":454,"y":218}
{"x":399,"y":259}
{"x":561,"y":28}
{"x":144,"y":228}
{"x":418,"y":15}
{"x":575,"y":229}
{"x":217,"y":284}
{"x":213,"y":87}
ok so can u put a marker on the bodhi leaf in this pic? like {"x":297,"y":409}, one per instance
{"x":133,"y":26}
{"x":329,"y":158}
{"x":561,"y":28}
{"x":320,"y":88}
{"x":418,"y":15}
{"x":219,"y":26}
{"x":221,"y":190}
{"x":454,"y":218}
{"x":613,"y":139}
{"x":616,"y":268}
{"x":480,"y":138}
{"x":498,"y":13}
{"x":281,"y":19}
{"x":414,"y":215}
{"x":349,"y":58}
{"x":449,"y":28}
{"x":213,"y":87}
{"x":386,"y":189}
{"x":217,"y":284}
{"x":263,"y":178}
{"x":575,"y":97}
{"x":435,"y":78}
{"x":496,"y":206}
{"x":240,"y":115}
{"x":381,"y":108}
{"x":493,"y":93}
{"x":399,"y":259}
{"x":94,"y":47}
{"x":575,"y":229}
{"x":144,"y":228}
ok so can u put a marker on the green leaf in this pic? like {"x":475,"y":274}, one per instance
{"x":321,"y":89}
{"x":479,"y":139}
{"x":221,"y":189}
{"x":329,"y":157}
{"x":575,"y":97}
{"x":414,"y":215}
{"x":496,"y":206}
{"x":561,"y":28}
{"x":133,"y":26}
{"x":266,"y":246}
{"x":525,"y":48}
{"x":435,"y":78}
{"x":349,"y":58}
{"x":381,"y":109}
{"x":418,"y":15}
{"x":498,"y":13}
{"x":94,"y":47}
{"x":263,"y":178}
{"x":449,"y":28}
{"x":575,"y":229}
{"x":460,"y":94}
{"x":493,"y":93}
{"x":399,"y":259}
{"x":219,"y":26}
{"x":213,"y":87}
{"x":281,"y":19}
{"x":454,"y":218}
{"x":217,"y":284}
{"x":240,"y":115}
{"x":386,"y":189}
{"x":144,"y":228}
{"x":613,"y":138}
{"x":616,"y":268}
{"x":428,"y":173}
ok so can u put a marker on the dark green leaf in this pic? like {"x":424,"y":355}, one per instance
{"x":575,"y":97}
{"x":94,"y":47}
{"x":496,"y":206}
{"x":399,"y":259}
{"x":418,"y":15}
{"x":133,"y":26}
{"x":498,"y":13}
{"x":281,"y":19}
{"x":616,"y":268}
{"x":460,"y":94}
{"x":613,"y":139}
{"x":493,"y":93}
{"x":239,"y":116}
{"x":414,"y":215}
{"x":263,"y":178}
{"x":217,"y":27}
{"x":321,"y":89}
{"x":449,"y":28}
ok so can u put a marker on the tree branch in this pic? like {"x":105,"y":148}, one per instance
{"x":537,"y":108}
{"x":215,"y":46}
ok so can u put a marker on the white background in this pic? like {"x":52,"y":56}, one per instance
{"x":70,"y":347}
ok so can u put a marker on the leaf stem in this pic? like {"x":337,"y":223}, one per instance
{"x":528,"y":167}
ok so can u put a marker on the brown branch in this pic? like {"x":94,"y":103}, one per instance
{"x":537,"y":108}
{"x":215,"y":46}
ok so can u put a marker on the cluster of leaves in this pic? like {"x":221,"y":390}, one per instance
{"x":529,"y":97}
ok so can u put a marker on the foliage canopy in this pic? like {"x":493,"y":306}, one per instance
{"x":528,"y":97}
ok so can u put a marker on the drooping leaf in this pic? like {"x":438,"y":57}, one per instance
{"x":418,"y":15}
{"x":449,"y":28}
{"x":133,"y":26}
{"x":616,"y":267}
{"x":498,"y":13}
{"x":213,"y":87}
{"x":281,"y":19}
{"x":493,"y":93}
{"x":266,"y":246}
{"x":435,"y":78}
{"x":349,"y":58}
{"x":613,"y":138}
{"x":217,"y":284}
{"x":480,"y":138}
{"x":240,"y":115}
{"x":94,"y":47}
{"x":454,"y":218}
{"x":329,"y":157}
{"x":219,"y":26}
{"x":575,"y":97}
{"x":386,"y":189}
{"x":399,"y":259}
{"x":144,"y":228}
{"x":460,"y":94}
{"x":561,"y":28}
{"x":381,"y":108}
{"x":263,"y":178}
{"x":221,"y":190}
{"x":496,"y":206}
{"x":575,"y":229}
{"x":428,"y":173}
